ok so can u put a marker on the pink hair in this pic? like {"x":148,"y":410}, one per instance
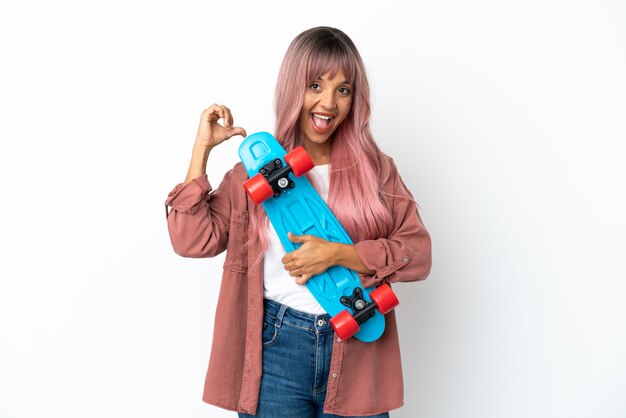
{"x":358,"y":167}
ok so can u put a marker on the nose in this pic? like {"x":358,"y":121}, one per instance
{"x":327,"y":99}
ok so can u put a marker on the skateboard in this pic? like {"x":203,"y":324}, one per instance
{"x":293,"y":205}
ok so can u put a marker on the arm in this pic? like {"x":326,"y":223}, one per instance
{"x":317,"y":255}
{"x":210,"y":134}
{"x":199,"y":219}
{"x":403,"y":256}
{"x":347,"y":256}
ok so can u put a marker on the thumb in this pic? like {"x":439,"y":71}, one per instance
{"x":236,"y":131}
{"x":296,"y":238}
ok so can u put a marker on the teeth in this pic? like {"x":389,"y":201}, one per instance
{"x":322,"y":116}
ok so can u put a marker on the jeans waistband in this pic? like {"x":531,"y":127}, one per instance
{"x":286,"y":315}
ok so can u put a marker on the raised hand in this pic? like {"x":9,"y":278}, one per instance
{"x":210,"y":132}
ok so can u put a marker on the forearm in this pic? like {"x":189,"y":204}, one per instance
{"x":198,"y":163}
{"x":210,"y":134}
{"x":347,"y":256}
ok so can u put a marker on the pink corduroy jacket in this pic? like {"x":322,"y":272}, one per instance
{"x":365,"y":378}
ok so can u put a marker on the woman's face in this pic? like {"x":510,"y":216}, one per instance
{"x":327,"y":102}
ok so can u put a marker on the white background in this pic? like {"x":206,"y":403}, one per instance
{"x":506,"y":120}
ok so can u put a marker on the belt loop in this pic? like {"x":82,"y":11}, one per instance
{"x":281,"y":314}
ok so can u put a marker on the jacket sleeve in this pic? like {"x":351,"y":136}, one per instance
{"x":404,"y":255}
{"x":198,"y":218}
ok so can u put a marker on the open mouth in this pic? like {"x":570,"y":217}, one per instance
{"x":322,"y":122}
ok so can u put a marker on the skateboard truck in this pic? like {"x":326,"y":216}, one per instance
{"x":277,"y":176}
{"x":273,"y":178}
{"x":362,"y":309}
{"x":383,"y":300}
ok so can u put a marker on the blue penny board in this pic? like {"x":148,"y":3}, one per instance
{"x":301,"y":210}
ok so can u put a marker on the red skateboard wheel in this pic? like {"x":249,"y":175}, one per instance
{"x":384,"y":298}
{"x":344,"y":325}
{"x":299,"y":161}
{"x":258,"y":188}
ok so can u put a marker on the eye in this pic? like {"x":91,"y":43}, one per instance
{"x":315,"y":86}
{"x":344,"y":91}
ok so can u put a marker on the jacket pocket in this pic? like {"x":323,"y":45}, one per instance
{"x":236,"y":251}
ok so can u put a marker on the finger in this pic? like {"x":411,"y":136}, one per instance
{"x":222,"y":112}
{"x":209,"y":114}
{"x":228,"y":117}
{"x":214,"y":112}
{"x":301,"y":280}
{"x":218,"y":110}
{"x":294,"y":269}
{"x":214,"y":108}
{"x":290,"y":267}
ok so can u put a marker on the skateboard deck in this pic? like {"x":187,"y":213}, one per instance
{"x":293,"y":205}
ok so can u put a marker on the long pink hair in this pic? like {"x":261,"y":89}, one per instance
{"x":357,"y":166}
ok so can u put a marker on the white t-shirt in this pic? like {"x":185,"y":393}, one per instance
{"x":278,"y":284}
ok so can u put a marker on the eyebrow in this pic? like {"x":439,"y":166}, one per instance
{"x":320,"y":78}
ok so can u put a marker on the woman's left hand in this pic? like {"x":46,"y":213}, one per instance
{"x":314,"y":256}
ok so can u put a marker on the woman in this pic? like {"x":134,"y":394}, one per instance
{"x":274,"y":353}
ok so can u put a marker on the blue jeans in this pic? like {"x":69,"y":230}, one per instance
{"x":297,"y":347}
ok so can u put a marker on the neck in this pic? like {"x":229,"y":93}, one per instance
{"x":319,"y":153}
